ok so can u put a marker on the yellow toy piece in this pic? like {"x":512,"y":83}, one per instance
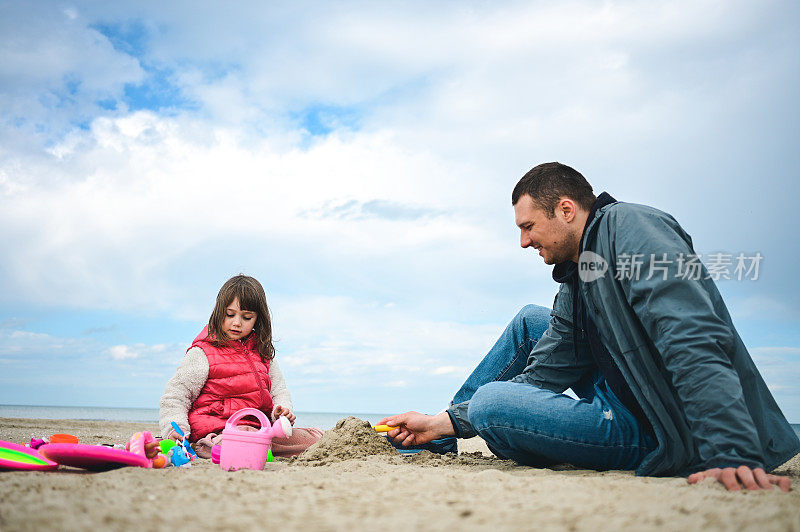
{"x":384,"y":428}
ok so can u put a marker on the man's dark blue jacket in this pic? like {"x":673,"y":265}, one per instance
{"x":675,"y":345}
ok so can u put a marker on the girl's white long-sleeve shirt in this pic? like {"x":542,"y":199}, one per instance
{"x":187,"y":383}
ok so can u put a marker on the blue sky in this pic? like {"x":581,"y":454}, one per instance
{"x":358,"y":158}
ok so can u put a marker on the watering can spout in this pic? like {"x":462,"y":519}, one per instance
{"x":282,"y":428}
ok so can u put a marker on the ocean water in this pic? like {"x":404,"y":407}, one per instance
{"x":322,"y":420}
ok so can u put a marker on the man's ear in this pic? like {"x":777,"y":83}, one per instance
{"x":567,"y":209}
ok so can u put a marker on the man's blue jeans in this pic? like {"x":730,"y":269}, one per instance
{"x":538,"y":427}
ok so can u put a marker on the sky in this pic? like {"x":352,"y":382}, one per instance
{"x":357,"y":158}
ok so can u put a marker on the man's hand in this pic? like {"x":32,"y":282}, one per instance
{"x":283,"y":411}
{"x":734,"y":478}
{"x":414,"y":428}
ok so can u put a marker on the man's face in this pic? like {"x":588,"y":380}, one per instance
{"x":554,"y":238}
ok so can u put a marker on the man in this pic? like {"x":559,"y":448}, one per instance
{"x":639,"y":332}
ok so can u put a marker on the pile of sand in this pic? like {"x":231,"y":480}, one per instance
{"x":352,"y":438}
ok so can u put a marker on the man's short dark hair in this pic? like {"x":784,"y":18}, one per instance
{"x":547,"y":183}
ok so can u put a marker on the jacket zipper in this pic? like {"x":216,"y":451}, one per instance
{"x":255,"y":374}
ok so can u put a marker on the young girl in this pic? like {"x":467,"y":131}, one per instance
{"x":231,"y":365}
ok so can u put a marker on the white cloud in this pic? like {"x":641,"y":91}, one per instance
{"x":148,"y":212}
{"x":34,"y":349}
{"x":143,"y":192}
{"x":23,"y":343}
{"x":343,"y":344}
{"x":122,"y":352}
{"x":449,"y":119}
{"x":54,"y":69}
{"x":150,"y":356}
{"x":444,"y":370}
{"x":29,"y":336}
{"x":349,"y":340}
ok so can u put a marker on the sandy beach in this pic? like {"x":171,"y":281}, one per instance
{"x":471,"y":491}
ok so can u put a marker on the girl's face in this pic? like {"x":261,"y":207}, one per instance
{"x":238,"y":323}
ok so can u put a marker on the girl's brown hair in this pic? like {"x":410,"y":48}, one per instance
{"x":252,"y":298}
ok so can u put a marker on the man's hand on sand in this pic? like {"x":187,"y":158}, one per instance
{"x":414,"y":428}
{"x":733,"y":478}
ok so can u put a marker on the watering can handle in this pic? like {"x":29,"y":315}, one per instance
{"x":239,"y":414}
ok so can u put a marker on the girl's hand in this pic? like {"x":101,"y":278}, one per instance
{"x":174,"y":436}
{"x":283,"y":411}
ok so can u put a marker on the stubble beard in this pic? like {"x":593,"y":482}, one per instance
{"x":564,"y":250}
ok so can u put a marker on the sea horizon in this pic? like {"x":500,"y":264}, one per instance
{"x":322,"y":420}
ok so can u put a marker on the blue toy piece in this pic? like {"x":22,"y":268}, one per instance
{"x":177,"y":456}
{"x":183,"y":443}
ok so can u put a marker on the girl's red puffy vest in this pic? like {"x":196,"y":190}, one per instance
{"x":237,"y":378}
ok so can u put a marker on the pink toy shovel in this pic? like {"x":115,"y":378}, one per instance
{"x":248,"y":450}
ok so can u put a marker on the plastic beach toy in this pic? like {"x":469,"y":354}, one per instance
{"x":63,"y":438}
{"x":384,"y":428}
{"x":13,"y":456}
{"x":184,"y":442}
{"x":92,"y":457}
{"x":178,"y":457}
{"x":248,"y":450}
{"x":137,"y":445}
{"x":166,"y":445}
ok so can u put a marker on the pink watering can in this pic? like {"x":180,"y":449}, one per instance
{"x":242,"y":449}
